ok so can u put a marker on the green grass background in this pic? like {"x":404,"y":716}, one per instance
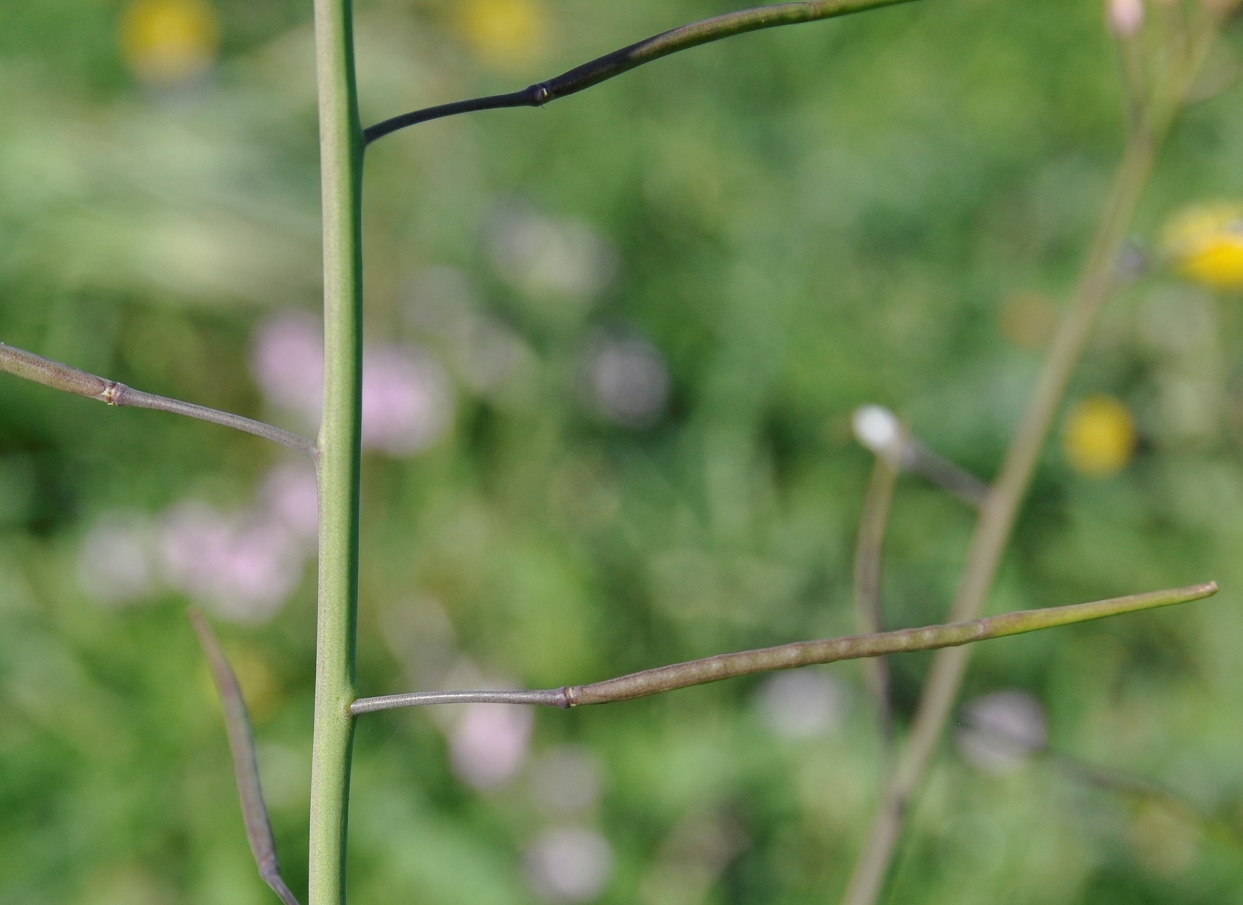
{"x":804,"y":220}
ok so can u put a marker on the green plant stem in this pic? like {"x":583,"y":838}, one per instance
{"x":800,"y":653}
{"x":341,"y":151}
{"x":58,"y":376}
{"x":1097,"y":283}
{"x":614,"y":64}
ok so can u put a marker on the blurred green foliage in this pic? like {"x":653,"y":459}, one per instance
{"x":786,"y":225}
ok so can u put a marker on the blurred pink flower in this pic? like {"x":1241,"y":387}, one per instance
{"x":287,"y":360}
{"x":569,"y":864}
{"x":1125,"y":17}
{"x":489,"y":744}
{"x":243,"y":569}
{"x":289,"y":494}
{"x":243,"y":564}
{"x":407,"y":402}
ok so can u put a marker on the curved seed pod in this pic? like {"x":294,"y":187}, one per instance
{"x":245,"y":764}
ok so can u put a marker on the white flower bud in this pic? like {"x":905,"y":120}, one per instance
{"x":877,"y":429}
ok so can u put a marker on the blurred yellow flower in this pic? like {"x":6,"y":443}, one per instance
{"x":1099,"y":436}
{"x":1205,"y":244}
{"x":504,"y":32}
{"x":169,"y":42}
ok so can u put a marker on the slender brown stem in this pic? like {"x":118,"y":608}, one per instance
{"x":58,"y":376}
{"x":919,"y":459}
{"x":800,"y":653}
{"x":245,"y":763}
{"x":614,"y":64}
{"x":993,"y":532}
{"x":868,"y":604}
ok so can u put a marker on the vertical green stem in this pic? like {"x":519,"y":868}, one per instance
{"x":339,"y":450}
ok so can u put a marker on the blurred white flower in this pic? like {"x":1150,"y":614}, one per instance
{"x":546,"y":256}
{"x":116,"y":562}
{"x":487,"y":352}
{"x":802,"y":703}
{"x":481,"y":349}
{"x":627,"y":381}
{"x":421,"y":636}
{"x":1000,"y":732}
{"x":878,"y":430}
{"x":490,"y":743}
{"x":437,"y":298}
{"x":569,"y":864}
{"x":566,"y":780}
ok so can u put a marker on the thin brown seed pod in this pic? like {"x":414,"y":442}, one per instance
{"x":59,"y":376}
{"x":245,"y":763}
{"x":800,"y":653}
{"x":649,"y":50}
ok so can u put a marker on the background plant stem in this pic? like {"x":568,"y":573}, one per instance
{"x":997,"y":515}
{"x":868,"y":604}
{"x":341,"y":149}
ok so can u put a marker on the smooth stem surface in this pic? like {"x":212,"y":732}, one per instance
{"x":339,"y":451}
{"x":800,"y":653}
{"x":614,"y":64}
{"x":869,"y":608}
{"x":1000,"y":508}
{"x":69,"y":379}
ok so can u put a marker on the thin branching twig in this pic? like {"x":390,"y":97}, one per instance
{"x":245,"y":764}
{"x":59,"y":376}
{"x":800,"y":653}
{"x":614,"y":64}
